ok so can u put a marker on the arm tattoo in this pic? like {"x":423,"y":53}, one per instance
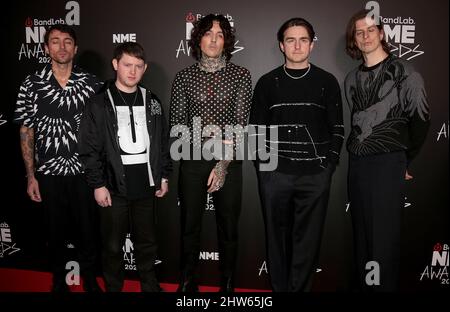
{"x":27,"y":146}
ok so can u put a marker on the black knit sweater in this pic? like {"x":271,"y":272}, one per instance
{"x":389,"y":108}
{"x":308,"y":115}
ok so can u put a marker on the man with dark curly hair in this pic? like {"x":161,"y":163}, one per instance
{"x":216,"y":93}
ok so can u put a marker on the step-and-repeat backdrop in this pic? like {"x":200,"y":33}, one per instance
{"x":416,"y":31}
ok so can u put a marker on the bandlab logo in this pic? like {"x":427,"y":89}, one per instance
{"x":35,"y":30}
{"x":191,"y":19}
{"x":7,"y":246}
{"x":183,"y":46}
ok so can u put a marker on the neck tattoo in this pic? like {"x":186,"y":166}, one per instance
{"x":212,"y":64}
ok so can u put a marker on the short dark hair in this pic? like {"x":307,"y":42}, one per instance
{"x":296,"y":21}
{"x":130,"y":48}
{"x":62,"y":28}
{"x":205,"y":24}
{"x":350,"y":46}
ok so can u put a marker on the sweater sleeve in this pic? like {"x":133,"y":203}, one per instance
{"x":415,"y":103}
{"x":259,"y":117}
{"x":334,"y":120}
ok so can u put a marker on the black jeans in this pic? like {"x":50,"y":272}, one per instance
{"x":227,"y":202}
{"x":294,"y":210}
{"x":376,"y":191}
{"x":70,"y":212}
{"x":138,"y":217}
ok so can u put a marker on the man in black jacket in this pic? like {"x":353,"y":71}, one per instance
{"x":123,"y":143}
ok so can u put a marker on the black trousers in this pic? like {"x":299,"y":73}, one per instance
{"x":376,"y":192}
{"x":71,"y":216}
{"x":294,"y":210}
{"x":138,"y":217}
{"x":227,"y":202}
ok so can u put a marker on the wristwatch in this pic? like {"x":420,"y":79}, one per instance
{"x":164,"y":180}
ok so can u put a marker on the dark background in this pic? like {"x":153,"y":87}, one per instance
{"x":161,"y":27}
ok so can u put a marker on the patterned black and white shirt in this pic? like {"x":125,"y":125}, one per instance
{"x":54,"y":113}
{"x":219,"y":98}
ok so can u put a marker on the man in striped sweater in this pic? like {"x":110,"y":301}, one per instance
{"x":303,"y":102}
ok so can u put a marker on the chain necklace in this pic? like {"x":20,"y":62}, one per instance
{"x":293,"y":77}
{"x":130,"y":109}
{"x":134,"y":101}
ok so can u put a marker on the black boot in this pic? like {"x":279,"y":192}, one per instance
{"x":90,"y":284}
{"x":227,"y":284}
{"x":59,"y":284}
{"x":187,"y":284}
{"x":150,"y":283}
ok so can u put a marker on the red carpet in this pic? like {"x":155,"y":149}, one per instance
{"x":14,"y":280}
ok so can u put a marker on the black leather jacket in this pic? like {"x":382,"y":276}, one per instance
{"x":99,"y":148}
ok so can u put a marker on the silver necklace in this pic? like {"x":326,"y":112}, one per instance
{"x":293,"y":77}
{"x":134,"y":101}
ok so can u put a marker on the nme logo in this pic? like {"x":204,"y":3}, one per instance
{"x":205,"y":255}
{"x":120,"y":38}
{"x":7,"y":246}
{"x":401,"y":38}
{"x":5,"y":235}
{"x":190,"y":19}
{"x":440,"y":255}
{"x":35,"y":29}
{"x":400,"y":32}
{"x":438,"y":270}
